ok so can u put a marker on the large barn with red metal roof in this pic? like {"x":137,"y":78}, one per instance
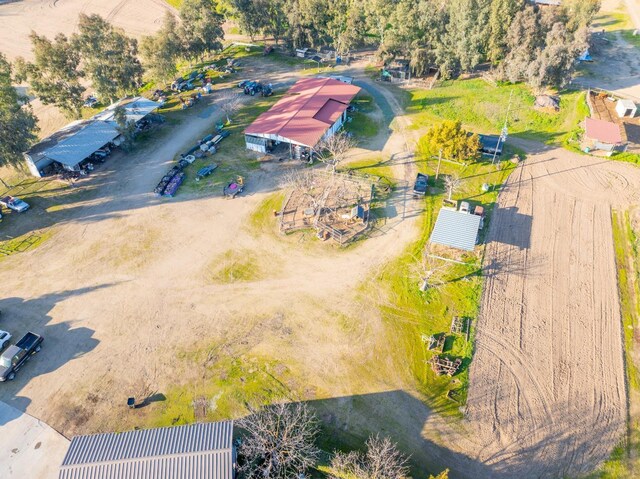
{"x":311,"y":110}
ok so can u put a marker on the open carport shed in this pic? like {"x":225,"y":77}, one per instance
{"x":312,"y":109}
{"x":456,"y":229}
{"x":78,"y":140}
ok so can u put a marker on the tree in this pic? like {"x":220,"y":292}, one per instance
{"x":54,"y":76}
{"x":250,"y":15}
{"x":127,"y":128}
{"x":431,"y":271}
{"x":580,"y":13}
{"x":109,"y":57}
{"x":278,"y":442}
{"x":161,"y":51}
{"x":500,"y":18}
{"x":452,"y":183}
{"x":333,"y":149}
{"x":381,"y":460}
{"x":229,"y":103}
{"x":201,"y":29}
{"x":17,"y":122}
{"x":306,"y":182}
{"x":449,"y":137}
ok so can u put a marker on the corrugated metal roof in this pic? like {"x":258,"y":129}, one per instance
{"x":456,"y":229}
{"x":203,"y":451}
{"x":75,"y":148}
{"x":79,"y":139}
{"x":294,"y":116}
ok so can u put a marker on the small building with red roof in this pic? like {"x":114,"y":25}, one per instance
{"x":602,"y":135}
{"x":312,"y":109}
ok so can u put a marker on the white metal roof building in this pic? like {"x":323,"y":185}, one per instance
{"x":78,"y":140}
{"x":203,"y":451}
{"x":456,"y":229}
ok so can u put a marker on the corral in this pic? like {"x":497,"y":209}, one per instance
{"x":336,"y":206}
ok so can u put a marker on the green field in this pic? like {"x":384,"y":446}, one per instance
{"x":624,"y":462}
{"x":410,"y":313}
{"x":482,"y":108}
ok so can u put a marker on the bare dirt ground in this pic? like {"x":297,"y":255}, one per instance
{"x":123,"y":288}
{"x":617,"y":63}
{"x":547,"y":385}
{"x":50,"y":17}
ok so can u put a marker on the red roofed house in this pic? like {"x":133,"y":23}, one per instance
{"x":311,"y":110}
{"x":602,"y":135}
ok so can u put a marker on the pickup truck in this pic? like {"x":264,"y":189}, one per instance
{"x":420,"y":186}
{"x":15,"y":204}
{"x":17,"y":354}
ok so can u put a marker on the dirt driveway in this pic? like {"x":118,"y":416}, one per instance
{"x":547,"y":385}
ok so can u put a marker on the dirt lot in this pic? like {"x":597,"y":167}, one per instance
{"x":49,"y":17}
{"x":547,"y":390}
{"x":123,"y":292}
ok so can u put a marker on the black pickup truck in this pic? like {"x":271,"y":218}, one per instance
{"x":17,"y":354}
{"x":420,"y":186}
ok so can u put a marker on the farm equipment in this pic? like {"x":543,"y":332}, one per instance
{"x":267,"y":90}
{"x":234,"y":188}
{"x":252,"y":87}
{"x":173,"y":185}
{"x":442,"y":365}
{"x":205,"y":171}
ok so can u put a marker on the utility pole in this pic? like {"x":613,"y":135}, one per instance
{"x":439,"y":161}
{"x":503,"y":134}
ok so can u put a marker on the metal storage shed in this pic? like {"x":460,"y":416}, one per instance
{"x":456,"y":229}
{"x":203,"y":451}
{"x":626,"y":108}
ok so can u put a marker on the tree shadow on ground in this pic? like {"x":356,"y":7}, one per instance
{"x":62,"y":342}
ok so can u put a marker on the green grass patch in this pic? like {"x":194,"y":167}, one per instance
{"x":371,"y":167}
{"x":482,"y":107}
{"x":226,"y":386}
{"x":174,"y":3}
{"x":623,"y":462}
{"x":411,"y":314}
{"x":362,"y":125}
{"x":627,"y":157}
{"x":26,"y":242}
{"x":232,"y":157}
{"x":261,"y":219}
{"x":236,"y":266}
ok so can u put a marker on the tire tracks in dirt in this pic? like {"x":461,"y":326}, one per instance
{"x":547,"y":390}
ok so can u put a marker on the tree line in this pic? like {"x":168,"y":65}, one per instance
{"x":522,"y":42}
{"x":525,"y":42}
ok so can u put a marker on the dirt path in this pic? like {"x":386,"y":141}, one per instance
{"x":547,"y":389}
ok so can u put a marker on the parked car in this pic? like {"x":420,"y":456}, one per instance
{"x":15,"y":356}
{"x":5,"y":337}
{"x":420,"y":186}
{"x":14,"y":204}
{"x":464,"y":207}
{"x":91,"y":101}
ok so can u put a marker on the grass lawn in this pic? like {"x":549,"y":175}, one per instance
{"x":482,"y":108}
{"x":232,"y":157}
{"x":624,"y":462}
{"x":411,"y":314}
